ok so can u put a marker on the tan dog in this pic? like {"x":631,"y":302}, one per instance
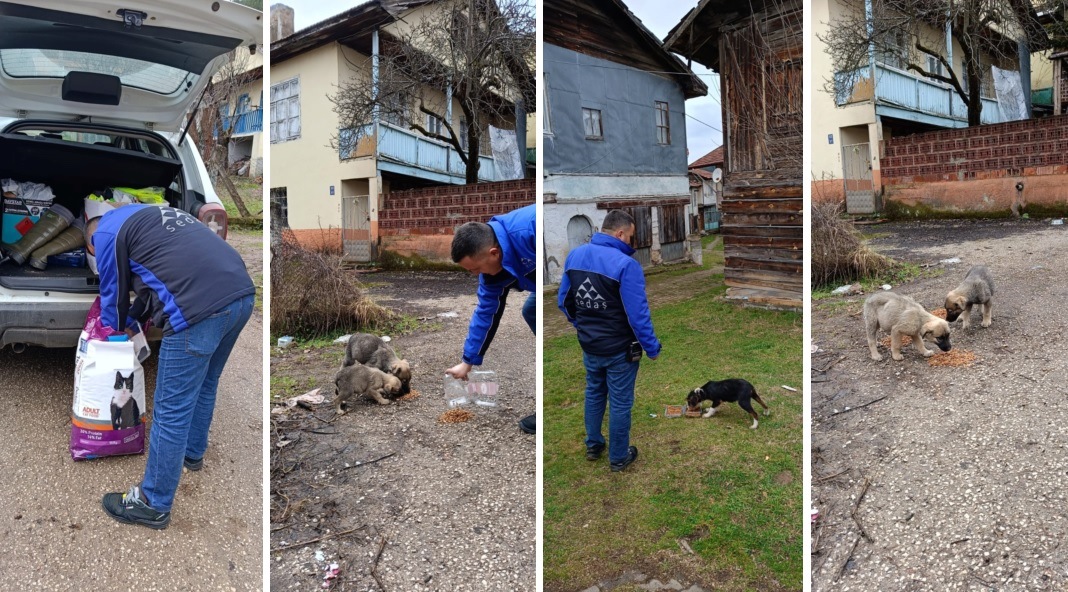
{"x":370,"y":350}
{"x":364,"y":380}
{"x":977,"y":288}
{"x":901,"y":315}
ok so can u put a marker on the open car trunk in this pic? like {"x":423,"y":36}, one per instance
{"x":74,"y":170}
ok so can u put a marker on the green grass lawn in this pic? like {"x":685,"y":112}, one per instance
{"x":251,"y":193}
{"x":734,"y":494}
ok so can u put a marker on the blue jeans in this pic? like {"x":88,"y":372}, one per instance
{"x":530,"y":312}
{"x":609,"y":382}
{"x":190,"y":363}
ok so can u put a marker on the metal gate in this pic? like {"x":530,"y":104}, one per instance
{"x":859,"y":189}
{"x":356,"y":227}
{"x":711,"y":216}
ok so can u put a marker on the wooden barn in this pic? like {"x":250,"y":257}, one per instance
{"x":756,"y":47}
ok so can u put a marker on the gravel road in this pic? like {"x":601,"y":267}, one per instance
{"x":53,"y":532}
{"x":957,"y":479}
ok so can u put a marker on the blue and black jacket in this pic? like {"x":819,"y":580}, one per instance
{"x":180,"y":270}
{"x":603,"y":295}
{"x":515,"y":234}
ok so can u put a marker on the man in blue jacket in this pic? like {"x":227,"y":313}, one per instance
{"x":502,"y":253}
{"x":196,"y":288}
{"x":603,"y":295}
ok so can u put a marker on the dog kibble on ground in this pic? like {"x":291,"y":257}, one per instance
{"x":456,"y":416}
{"x":905,"y":341}
{"x":939,"y":312}
{"x":411,"y":395}
{"x":954,"y":358}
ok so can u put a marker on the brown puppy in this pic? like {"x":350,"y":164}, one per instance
{"x":901,"y":315}
{"x":370,"y":350}
{"x":364,"y":380}
{"x":977,"y":288}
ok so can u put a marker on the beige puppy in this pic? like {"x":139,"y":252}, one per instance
{"x":977,"y":288}
{"x":364,"y":380}
{"x":370,"y":350}
{"x":900,"y":315}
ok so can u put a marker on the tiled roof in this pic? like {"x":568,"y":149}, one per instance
{"x":714,"y":157}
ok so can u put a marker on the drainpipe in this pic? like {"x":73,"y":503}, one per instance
{"x":1025,"y":75}
{"x":869,"y":19}
{"x":374,"y":86}
{"x":521,"y":134}
{"x":949,"y":54}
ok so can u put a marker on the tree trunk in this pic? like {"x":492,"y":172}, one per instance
{"x":472,"y":154}
{"x":222,"y":173}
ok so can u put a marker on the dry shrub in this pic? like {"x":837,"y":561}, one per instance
{"x":954,"y":358}
{"x":839,"y":254}
{"x":312,"y":295}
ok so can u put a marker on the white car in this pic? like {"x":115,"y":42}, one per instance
{"x":95,"y":95}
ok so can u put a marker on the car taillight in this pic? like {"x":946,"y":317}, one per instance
{"x":214,"y":216}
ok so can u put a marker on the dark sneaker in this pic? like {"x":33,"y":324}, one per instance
{"x":193,"y":465}
{"x":131,"y":508}
{"x":594,"y":452}
{"x":632,"y":455}
{"x":528,"y":425}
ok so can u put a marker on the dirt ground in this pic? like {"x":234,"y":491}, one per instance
{"x":447,"y":506}
{"x":54,"y":534}
{"x":957,"y":479}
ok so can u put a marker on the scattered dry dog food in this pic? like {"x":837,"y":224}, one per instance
{"x":411,"y":395}
{"x":693,"y":413}
{"x":940,"y":313}
{"x":905,"y":339}
{"x":456,"y":416}
{"x":954,"y":358}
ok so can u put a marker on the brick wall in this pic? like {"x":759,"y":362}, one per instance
{"x":977,"y":168}
{"x":420,"y":222}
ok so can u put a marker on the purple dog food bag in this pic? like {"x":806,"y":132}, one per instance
{"x":108,"y":415}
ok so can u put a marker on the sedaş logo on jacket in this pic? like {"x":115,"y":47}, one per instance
{"x":586,"y":296}
{"x":174,"y":219}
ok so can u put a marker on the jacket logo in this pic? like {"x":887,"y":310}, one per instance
{"x":174,"y":219}
{"x":586,"y":296}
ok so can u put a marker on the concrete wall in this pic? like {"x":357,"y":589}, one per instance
{"x":420,"y":222}
{"x":626,"y":98}
{"x":976,"y":169}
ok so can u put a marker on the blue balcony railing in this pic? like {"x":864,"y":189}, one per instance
{"x":249,"y":122}
{"x":412,"y":154}
{"x":903,"y":90}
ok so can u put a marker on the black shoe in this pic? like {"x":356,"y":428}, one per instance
{"x":528,"y":425}
{"x":632,"y":455}
{"x":193,"y":465}
{"x":131,"y":508}
{"x":594,"y":452}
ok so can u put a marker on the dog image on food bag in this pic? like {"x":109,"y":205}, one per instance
{"x":732,"y":390}
{"x":900,"y":315}
{"x":977,"y":288}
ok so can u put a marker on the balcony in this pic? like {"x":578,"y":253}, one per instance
{"x":904,"y":95}
{"x":249,"y":122}
{"x":408,"y":153}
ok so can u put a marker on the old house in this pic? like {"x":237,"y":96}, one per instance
{"x":613,"y":121}
{"x":756,"y":48}
{"x":242,"y":116}
{"x":331,"y":185}
{"x":706,"y":186}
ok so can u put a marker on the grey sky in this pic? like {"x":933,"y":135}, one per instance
{"x":658,"y":16}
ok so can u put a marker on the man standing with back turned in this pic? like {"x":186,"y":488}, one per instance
{"x":603,"y":295}
{"x":502,"y":253}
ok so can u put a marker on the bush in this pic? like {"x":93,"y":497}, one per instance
{"x":312,"y":296}
{"x":839,"y":254}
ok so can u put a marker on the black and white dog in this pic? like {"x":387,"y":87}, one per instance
{"x":732,"y":390}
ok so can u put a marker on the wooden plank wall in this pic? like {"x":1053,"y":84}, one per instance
{"x":762,"y":206}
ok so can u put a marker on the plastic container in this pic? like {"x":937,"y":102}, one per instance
{"x":455,"y":392}
{"x":673,"y":410}
{"x":482,"y":387}
{"x":284,"y":342}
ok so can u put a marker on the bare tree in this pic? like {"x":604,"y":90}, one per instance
{"x":478,"y":52}
{"x":214,"y":130}
{"x":911,"y":35}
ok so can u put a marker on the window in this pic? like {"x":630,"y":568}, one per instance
{"x":663,"y":123}
{"x":892,"y":49}
{"x":591,"y":122}
{"x":433,"y":124}
{"x":463,"y":134}
{"x":243,"y":103}
{"x":396,"y":109}
{"x":279,"y":195}
{"x":285,"y":111}
{"x":934,"y":66}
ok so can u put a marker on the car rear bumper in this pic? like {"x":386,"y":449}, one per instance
{"x":52,"y":324}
